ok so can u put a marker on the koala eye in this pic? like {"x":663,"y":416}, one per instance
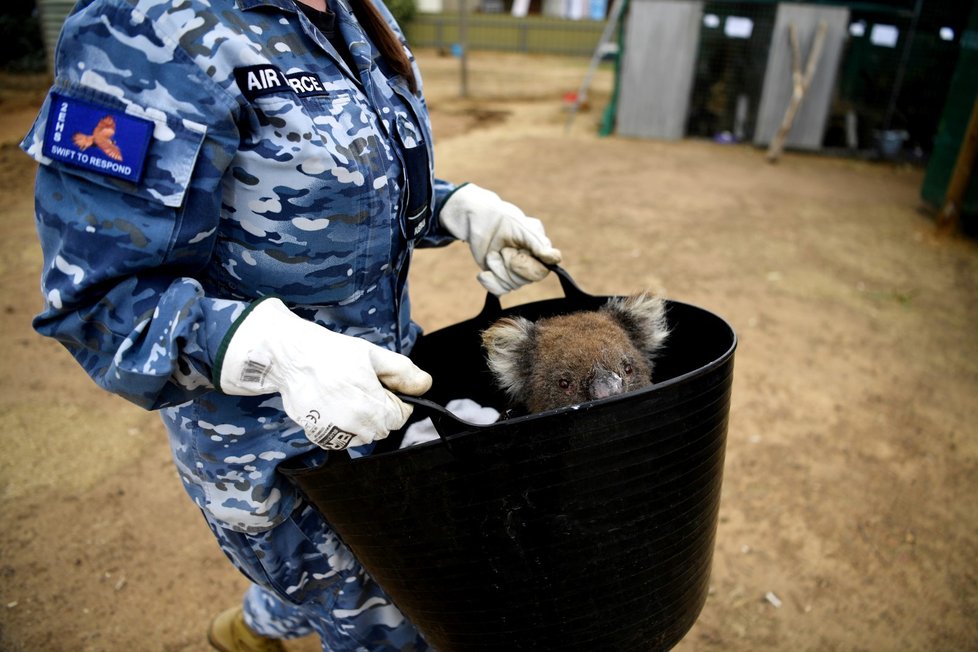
{"x":628,"y":369}
{"x":563,"y":383}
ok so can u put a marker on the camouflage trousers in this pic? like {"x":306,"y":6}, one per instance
{"x":305,"y":580}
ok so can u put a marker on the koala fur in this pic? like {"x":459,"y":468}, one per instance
{"x":578,"y":357}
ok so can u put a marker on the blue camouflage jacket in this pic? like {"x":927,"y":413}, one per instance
{"x":195,"y":156}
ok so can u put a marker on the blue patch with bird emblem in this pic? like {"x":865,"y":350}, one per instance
{"x":97,"y":138}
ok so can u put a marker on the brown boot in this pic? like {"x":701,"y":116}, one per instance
{"x":228,"y":633}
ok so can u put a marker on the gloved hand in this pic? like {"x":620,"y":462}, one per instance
{"x":510,"y":247}
{"x":332,"y":385}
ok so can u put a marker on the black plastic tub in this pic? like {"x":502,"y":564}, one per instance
{"x":586,"y":528}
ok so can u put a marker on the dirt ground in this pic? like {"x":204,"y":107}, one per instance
{"x":849,"y":518}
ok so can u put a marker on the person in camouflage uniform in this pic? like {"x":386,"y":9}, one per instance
{"x":228,"y":196}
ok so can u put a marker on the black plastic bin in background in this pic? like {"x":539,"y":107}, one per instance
{"x":588,"y":528}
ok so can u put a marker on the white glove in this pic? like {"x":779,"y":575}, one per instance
{"x":510,"y":247}
{"x":331,"y":384}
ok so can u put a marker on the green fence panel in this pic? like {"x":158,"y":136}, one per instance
{"x":952,"y":127}
{"x":537,"y":34}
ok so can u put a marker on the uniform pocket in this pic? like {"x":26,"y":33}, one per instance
{"x":130,"y":149}
{"x":302,"y":559}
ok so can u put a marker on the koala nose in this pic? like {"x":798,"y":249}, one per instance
{"x":605,"y":384}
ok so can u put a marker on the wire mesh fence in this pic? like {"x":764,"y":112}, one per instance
{"x":893,"y":76}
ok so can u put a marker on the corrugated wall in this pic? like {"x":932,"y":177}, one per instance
{"x":661,"y":42}
{"x":808,"y":129}
{"x":53,"y":14}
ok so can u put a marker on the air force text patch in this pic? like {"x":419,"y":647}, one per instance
{"x":255,"y":81}
{"x":97,"y":138}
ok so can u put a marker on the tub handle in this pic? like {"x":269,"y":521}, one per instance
{"x":572,"y":291}
{"x":493,"y":309}
{"x":447,"y":425}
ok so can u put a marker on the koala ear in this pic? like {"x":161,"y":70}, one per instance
{"x":509,"y":348}
{"x":643,"y":316}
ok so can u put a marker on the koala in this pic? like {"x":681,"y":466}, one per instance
{"x":582,"y":356}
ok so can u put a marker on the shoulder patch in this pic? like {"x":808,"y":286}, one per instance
{"x":97,"y":138}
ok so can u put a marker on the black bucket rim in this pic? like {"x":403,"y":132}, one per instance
{"x":492,"y":310}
